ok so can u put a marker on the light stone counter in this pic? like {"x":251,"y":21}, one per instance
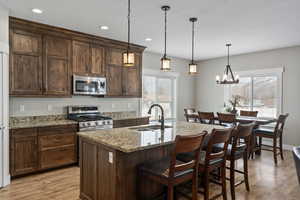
{"x":130,"y":139}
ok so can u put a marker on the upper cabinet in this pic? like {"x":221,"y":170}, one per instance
{"x":88,"y":59}
{"x":123,"y":81}
{"x":25,"y":63}
{"x":57,"y":55}
{"x":43,"y":59}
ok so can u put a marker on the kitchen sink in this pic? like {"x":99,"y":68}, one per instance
{"x":149,"y":128}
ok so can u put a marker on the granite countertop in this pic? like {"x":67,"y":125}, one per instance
{"x":130,"y":139}
{"x":39,"y":121}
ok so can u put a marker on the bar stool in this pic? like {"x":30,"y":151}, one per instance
{"x":212,"y":160}
{"x":248,"y":113}
{"x":172,"y":172}
{"x":189,"y":114}
{"x":236,"y":151}
{"x":273,"y":134}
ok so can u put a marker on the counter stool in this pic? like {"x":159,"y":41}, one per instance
{"x":206,"y":117}
{"x":236,"y":151}
{"x":226,"y":119}
{"x":172,"y":172}
{"x":212,"y":160}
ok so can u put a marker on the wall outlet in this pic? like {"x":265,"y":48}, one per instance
{"x":50,"y":108}
{"x":110,"y":157}
{"x":22,"y":108}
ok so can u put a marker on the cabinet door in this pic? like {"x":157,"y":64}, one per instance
{"x":132,"y":81}
{"x":57,"y":78}
{"x":81,"y":57}
{"x":114,"y":57}
{"x":114,"y":80}
{"x":23,"y":151}
{"x":25,"y":63}
{"x":98,"y":60}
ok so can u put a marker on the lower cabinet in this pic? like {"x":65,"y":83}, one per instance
{"x":36,"y":149}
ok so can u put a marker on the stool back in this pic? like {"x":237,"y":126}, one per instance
{"x":186,"y":144}
{"x":226,"y":118}
{"x":280,"y":123}
{"x":242,"y":131}
{"x":248,"y":113}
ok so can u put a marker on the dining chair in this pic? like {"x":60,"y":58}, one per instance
{"x":274,"y":134}
{"x":189,"y":114}
{"x":226,"y":119}
{"x":212,"y":160}
{"x":248,"y":113}
{"x":172,"y":172}
{"x":237,"y":151}
{"x":206,"y":117}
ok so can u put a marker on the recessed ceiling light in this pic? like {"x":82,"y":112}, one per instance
{"x":37,"y":11}
{"x":148,"y":39}
{"x":104,"y":27}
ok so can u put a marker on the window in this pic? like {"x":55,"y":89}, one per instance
{"x":260,"y":91}
{"x":159,"y":89}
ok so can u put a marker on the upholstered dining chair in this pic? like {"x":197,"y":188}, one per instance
{"x":273,"y":134}
{"x":248,"y":113}
{"x":227,"y":119}
{"x":206,"y":117}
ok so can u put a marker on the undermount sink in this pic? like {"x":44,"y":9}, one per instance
{"x":149,"y":128}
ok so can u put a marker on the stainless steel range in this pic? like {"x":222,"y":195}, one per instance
{"x":89,"y":118}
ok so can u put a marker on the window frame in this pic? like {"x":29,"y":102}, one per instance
{"x":166,"y":75}
{"x":278,"y":72}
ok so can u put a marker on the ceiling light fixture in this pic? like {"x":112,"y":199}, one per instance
{"x":165,"y":62}
{"x":228,"y":76}
{"x":148,"y":39}
{"x":193,"y":65}
{"x":128,"y":56}
{"x":37,"y":11}
{"x":104,"y":27}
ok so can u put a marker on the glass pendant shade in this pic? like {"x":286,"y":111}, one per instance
{"x":165,"y":64}
{"x":128,"y":59}
{"x":192,"y":68}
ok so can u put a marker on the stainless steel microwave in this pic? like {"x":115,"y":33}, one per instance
{"x":86,"y":85}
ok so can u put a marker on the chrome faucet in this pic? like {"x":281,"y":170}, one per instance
{"x":162,"y":119}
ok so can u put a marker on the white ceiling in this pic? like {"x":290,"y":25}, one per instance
{"x":250,"y":25}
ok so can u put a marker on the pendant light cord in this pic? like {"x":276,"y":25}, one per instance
{"x":193,"y":41}
{"x":228,"y":54}
{"x":165,"y":33}
{"x":128,"y":17}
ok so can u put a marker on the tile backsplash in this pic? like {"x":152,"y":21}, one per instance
{"x":56,"y":106}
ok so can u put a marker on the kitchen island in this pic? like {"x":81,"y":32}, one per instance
{"x":109,"y":158}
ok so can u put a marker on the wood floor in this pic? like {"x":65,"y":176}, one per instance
{"x":267,"y":182}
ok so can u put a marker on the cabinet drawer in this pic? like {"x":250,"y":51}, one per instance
{"x":57,"y":129}
{"x":57,"y":157}
{"x":57,"y":140}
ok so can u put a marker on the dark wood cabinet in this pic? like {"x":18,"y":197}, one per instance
{"x":43,"y":59}
{"x":25,"y":62}
{"x":131,"y":122}
{"x":57,"y":56}
{"x":23,"y":151}
{"x":88,"y":59}
{"x":123,"y":81}
{"x":36,"y":149}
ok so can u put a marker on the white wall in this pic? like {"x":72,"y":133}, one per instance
{"x":210,"y":96}
{"x":3,"y":28}
{"x":40,"y":106}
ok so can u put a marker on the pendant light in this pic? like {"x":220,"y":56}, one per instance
{"x":128,"y":56}
{"x":165,"y":62}
{"x":228,"y":76}
{"x":192,"y":65}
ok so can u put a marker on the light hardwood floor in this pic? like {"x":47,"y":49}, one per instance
{"x":267,"y":182}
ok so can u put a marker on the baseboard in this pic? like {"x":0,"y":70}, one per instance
{"x":285,"y":146}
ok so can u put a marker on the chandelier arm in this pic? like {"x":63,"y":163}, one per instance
{"x":128,"y":18}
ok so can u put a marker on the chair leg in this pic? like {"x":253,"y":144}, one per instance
{"x":260,"y":144}
{"x":170,"y":192}
{"x":275,"y":150}
{"x":206,"y":185}
{"x":246,"y":179}
{"x":223,"y":174}
{"x":232,"y":184}
{"x":281,"y":148}
{"x":195,"y":186}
